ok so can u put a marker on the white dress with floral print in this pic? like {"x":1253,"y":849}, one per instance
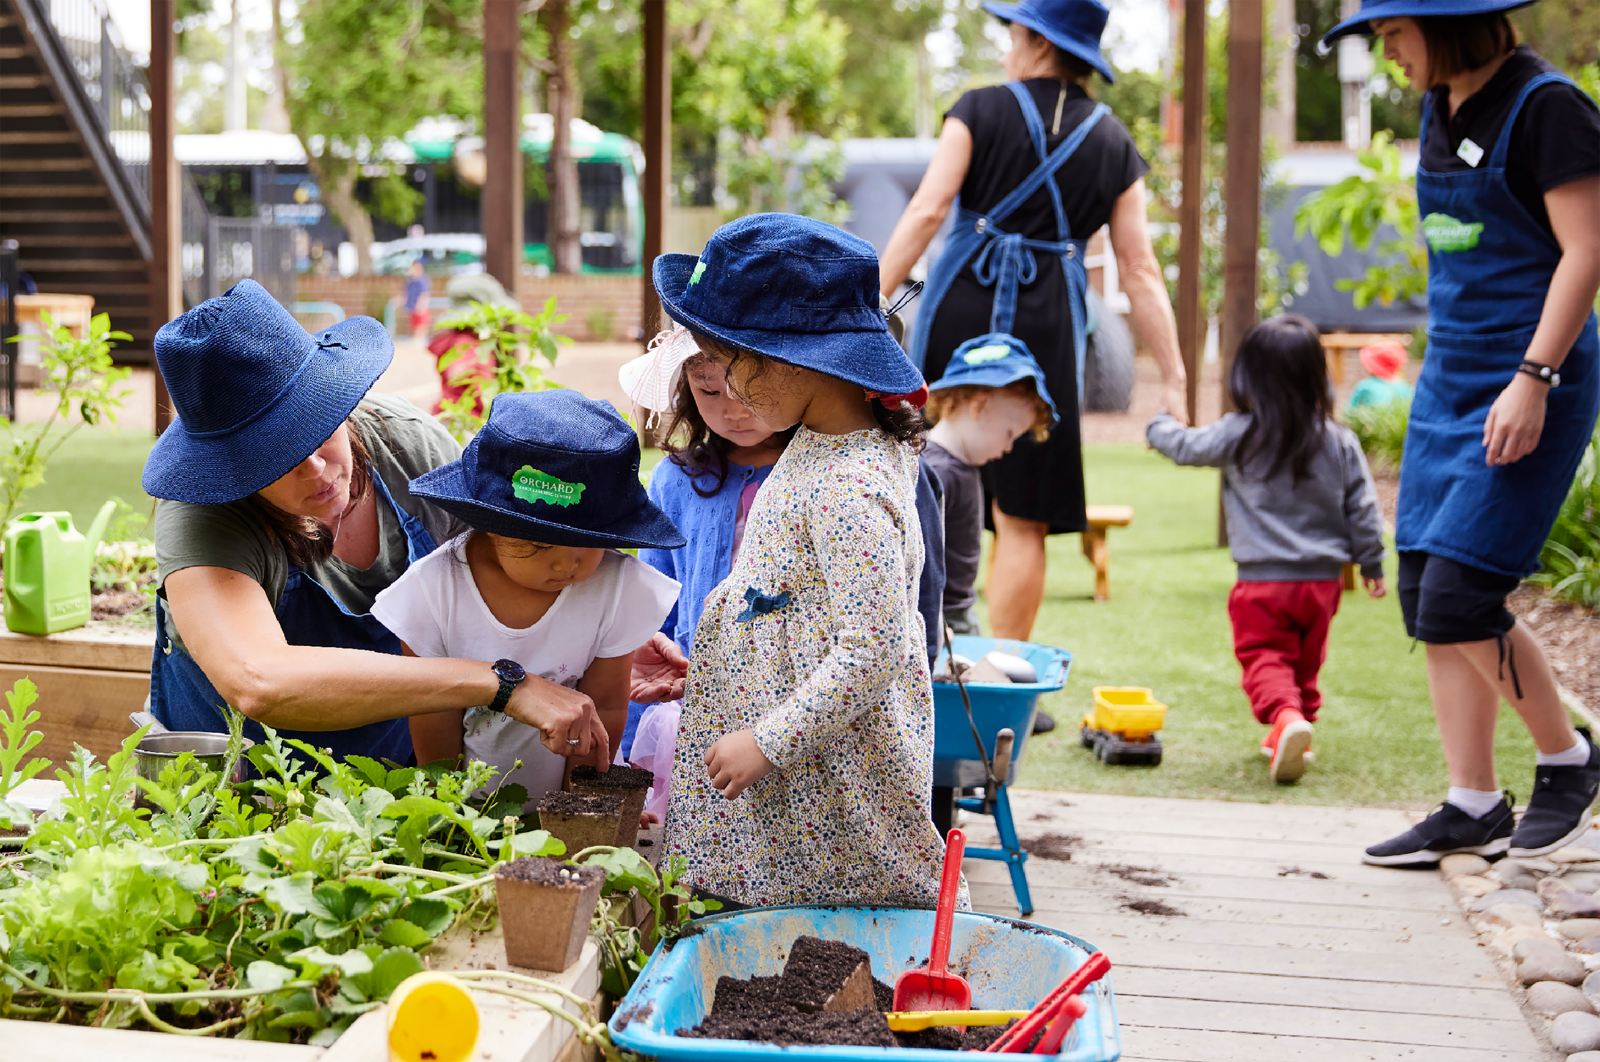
{"x":814,"y":642}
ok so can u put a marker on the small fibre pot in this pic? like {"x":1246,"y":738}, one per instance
{"x":631,"y":783}
{"x":545,"y":908}
{"x":581,"y":821}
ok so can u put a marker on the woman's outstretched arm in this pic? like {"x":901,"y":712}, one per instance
{"x":1140,"y":276}
{"x":928,"y":207}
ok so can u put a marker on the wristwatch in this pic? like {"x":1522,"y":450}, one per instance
{"x":510,"y":673}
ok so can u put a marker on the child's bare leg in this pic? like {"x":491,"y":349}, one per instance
{"x":1016,"y":578}
{"x":1466,"y":706}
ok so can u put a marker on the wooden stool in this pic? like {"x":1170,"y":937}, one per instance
{"x":1095,"y":547}
{"x":1334,"y":344}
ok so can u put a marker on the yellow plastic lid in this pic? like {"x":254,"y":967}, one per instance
{"x":432,"y":1018}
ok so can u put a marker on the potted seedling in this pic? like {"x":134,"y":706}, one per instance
{"x":545,"y":908}
{"x":630,"y":783}
{"x":580,"y":820}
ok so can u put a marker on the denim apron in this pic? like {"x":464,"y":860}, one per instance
{"x":1489,"y":270}
{"x":182,"y":698}
{"x":1004,"y":259}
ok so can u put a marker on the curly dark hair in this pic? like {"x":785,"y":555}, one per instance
{"x":903,"y":423}
{"x":694,"y":447}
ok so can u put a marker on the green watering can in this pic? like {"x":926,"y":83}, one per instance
{"x":47,"y":571}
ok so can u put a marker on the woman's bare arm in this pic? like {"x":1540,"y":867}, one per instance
{"x":928,"y":207}
{"x":1140,"y":276}
{"x":231,"y":631}
{"x":437,"y":735}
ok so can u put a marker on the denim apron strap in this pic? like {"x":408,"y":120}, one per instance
{"x":182,"y":698}
{"x":1489,"y":269}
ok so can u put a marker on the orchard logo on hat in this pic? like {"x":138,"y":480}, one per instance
{"x":994,"y":352}
{"x":532,"y":485}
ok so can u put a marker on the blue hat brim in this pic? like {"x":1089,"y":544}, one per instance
{"x":1093,"y":56}
{"x":220,"y":469}
{"x":1360,"y":22}
{"x":870,"y":359}
{"x":446,"y":487}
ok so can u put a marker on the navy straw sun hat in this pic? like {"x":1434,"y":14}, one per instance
{"x":1072,"y":25}
{"x":255,"y":393}
{"x":995,"y":360}
{"x":1371,"y":9}
{"x":792,"y":289}
{"x":552,"y":467}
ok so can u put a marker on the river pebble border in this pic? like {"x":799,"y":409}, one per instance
{"x":1541,"y":917}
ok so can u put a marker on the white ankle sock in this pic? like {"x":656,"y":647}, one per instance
{"x":1576,"y":756}
{"x":1475,"y":802}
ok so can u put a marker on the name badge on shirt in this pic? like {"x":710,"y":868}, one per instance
{"x":1469,"y":152}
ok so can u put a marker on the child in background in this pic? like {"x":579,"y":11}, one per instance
{"x":1384,"y":382}
{"x":805,"y":751}
{"x":550,"y":487}
{"x":992,"y":393}
{"x":1300,"y":504}
{"x":418,"y":290}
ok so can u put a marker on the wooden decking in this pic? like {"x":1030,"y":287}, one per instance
{"x":1287,"y":946}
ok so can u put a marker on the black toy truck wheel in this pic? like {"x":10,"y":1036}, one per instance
{"x":1085,"y":737}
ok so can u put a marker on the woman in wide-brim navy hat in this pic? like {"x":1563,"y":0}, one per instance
{"x":285,"y":509}
{"x":1033,"y":169}
{"x":1508,"y":188}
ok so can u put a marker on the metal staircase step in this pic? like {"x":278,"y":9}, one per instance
{"x":23,"y":81}
{"x":39,"y":138}
{"x":10,"y":51}
{"x":30,"y":110}
{"x":61,"y":216}
{"x":110,"y":239}
{"x":50,"y":191}
{"x":10,"y":163}
{"x":80,"y":265}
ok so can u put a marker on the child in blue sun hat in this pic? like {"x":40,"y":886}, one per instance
{"x":550,"y":489}
{"x":991,"y":394}
{"x":804,"y":757}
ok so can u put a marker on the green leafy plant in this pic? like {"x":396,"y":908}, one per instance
{"x":1358,"y":209}
{"x":1571,"y":556}
{"x":77,"y":372}
{"x":16,"y":741}
{"x":1381,"y":430}
{"x":624,"y":947}
{"x":505,"y":333}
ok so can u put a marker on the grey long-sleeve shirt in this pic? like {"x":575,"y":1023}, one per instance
{"x":1279,"y":529}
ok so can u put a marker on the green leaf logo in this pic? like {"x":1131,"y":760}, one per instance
{"x":699,"y":267}
{"x":532,"y":485}
{"x":993,"y":352}
{"x":1445,"y":234}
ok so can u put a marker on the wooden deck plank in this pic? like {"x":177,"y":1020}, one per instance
{"x":1140,"y":846}
{"x":1025,"y":802}
{"x":1187,"y":1045}
{"x":1488,"y":1001}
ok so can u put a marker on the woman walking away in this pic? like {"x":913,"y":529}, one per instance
{"x":1300,"y":505}
{"x":1033,"y":169}
{"x":804,"y":763}
{"x":1508,"y":187}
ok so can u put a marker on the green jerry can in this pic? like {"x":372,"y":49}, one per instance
{"x":47,"y":571}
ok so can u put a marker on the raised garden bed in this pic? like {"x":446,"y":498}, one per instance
{"x":89,"y":680}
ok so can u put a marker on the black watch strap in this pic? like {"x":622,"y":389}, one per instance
{"x":510,"y":673}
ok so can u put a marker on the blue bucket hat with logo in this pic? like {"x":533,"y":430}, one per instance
{"x":255,"y":393}
{"x":1371,"y":9}
{"x":792,"y":289}
{"x":1072,"y":25}
{"x":995,"y":360}
{"x":553,"y":467}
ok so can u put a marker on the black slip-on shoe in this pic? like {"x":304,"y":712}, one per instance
{"x":1445,"y":832}
{"x":1558,"y":810}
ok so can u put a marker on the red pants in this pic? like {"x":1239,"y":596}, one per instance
{"x":1280,"y":635}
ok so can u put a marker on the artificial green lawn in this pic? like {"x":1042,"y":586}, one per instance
{"x":1166,"y":627}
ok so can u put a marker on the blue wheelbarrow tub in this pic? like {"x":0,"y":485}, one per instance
{"x":995,"y":706}
{"x":1010,"y":965}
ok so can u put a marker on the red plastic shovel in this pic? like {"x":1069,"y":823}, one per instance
{"x":934,"y":988}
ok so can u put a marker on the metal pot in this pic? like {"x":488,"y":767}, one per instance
{"x":158,"y":750}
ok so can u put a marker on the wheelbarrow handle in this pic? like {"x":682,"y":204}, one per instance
{"x":1017,"y":1037}
{"x":1002,"y":755}
{"x":955,"y":845}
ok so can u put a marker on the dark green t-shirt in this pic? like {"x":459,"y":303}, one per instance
{"x":404,"y":443}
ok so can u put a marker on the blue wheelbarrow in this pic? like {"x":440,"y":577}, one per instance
{"x":1010,"y":965}
{"x":959,"y":755}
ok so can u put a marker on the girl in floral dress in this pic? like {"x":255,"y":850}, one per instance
{"x":805,"y":751}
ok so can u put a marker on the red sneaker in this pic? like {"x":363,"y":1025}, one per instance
{"x":1288,"y":745}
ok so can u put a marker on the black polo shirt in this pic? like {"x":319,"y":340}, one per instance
{"x":1555,"y":140}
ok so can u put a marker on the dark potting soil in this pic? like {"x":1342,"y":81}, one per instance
{"x":541,"y":871}
{"x":615,"y":778}
{"x":1151,"y":907}
{"x":1057,"y":846}
{"x":1142,"y":875}
{"x":819,"y":969}
{"x":559,"y":803}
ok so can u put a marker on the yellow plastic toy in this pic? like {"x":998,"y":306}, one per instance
{"x":432,"y":1018}
{"x":1124,"y":724}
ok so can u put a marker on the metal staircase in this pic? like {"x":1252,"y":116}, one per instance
{"x":74,"y":159}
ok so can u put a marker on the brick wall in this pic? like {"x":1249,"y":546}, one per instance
{"x":600,"y":307}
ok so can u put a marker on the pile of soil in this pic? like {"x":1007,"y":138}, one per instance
{"x":538,"y":870}
{"x":557,"y":802}
{"x":615,"y":778}
{"x":764,"y":1009}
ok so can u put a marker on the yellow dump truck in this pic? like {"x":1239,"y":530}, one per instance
{"x":1125,"y":725}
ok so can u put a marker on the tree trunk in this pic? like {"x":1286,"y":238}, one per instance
{"x":337,"y":179}
{"x":275,"y":116}
{"x":563,"y":228}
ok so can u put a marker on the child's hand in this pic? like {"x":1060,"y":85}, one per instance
{"x":1375,"y":587}
{"x":735,"y":763}
{"x":659,"y":667}
{"x":647,"y":819}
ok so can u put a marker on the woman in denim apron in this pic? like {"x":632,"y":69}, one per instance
{"x":1003,"y":252}
{"x":1504,"y":407}
{"x":269,"y":413}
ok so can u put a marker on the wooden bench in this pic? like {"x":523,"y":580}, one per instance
{"x":1334,"y":344}
{"x":1095,"y":547}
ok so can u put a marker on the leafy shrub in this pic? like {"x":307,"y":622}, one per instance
{"x":506,"y":333}
{"x":602,"y":323}
{"x":1381,"y":430}
{"x":1571,"y":555}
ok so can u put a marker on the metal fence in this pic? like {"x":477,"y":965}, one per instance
{"x":8,"y":326}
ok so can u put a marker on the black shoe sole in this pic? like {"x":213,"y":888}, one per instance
{"x":1428,"y":857}
{"x":1532,"y":853}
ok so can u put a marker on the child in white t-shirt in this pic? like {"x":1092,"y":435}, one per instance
{"x":551,"y":489}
